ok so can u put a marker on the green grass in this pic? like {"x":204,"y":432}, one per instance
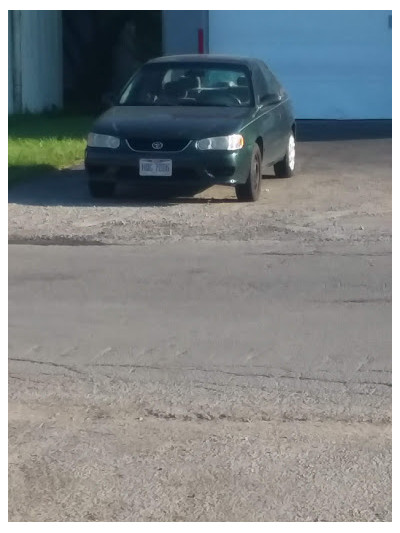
{"x":42,"y":143}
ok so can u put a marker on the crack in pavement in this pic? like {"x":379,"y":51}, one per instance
{"x":320,"y":252}
{"x":47,"y":363}
{"x":357,"y":301}
{"x":269,"y":376}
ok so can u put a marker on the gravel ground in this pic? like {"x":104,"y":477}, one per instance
{"x":95,"y":452}
{"x":341,"y":193}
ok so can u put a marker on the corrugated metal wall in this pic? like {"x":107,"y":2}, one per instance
{"x":10,"y":65}
{"x":36,"y":60}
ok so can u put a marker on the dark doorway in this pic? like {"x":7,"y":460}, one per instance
{"x":102,"y":49}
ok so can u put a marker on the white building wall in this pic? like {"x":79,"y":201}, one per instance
{"x":180,"y":31}
{"x":38,"y":61}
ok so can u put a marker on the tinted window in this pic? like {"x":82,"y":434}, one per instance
{"x":190,"y":84}
{"x":272,"y":83}
{"x":260,"y":82}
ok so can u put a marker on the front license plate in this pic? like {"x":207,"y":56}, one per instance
{"x":155,"y":167}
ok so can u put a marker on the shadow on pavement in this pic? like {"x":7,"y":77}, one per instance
{"x":18,"y":173}
{"x":69,"y":187}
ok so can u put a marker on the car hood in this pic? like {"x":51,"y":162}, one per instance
{"x":182,"y":122}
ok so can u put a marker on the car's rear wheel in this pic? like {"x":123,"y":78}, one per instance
{"x":285,"y":167}
{"x":101,"y":189}
{"x":250,"y":191}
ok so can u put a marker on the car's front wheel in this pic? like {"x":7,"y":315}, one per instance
{"x":285,"y":167}
{"x":250,"y":191}
{"x":101,"y":189}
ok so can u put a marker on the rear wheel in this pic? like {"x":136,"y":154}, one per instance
{"x":285,"y":167}
{"x":250,"y":191}
{"x":101,"y":189}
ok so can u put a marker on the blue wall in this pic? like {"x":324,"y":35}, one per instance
{"x":335,"y":64}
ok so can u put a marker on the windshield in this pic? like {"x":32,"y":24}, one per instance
{"x":189,"y":85}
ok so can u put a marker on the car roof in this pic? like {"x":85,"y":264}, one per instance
{"x":206,"y":58}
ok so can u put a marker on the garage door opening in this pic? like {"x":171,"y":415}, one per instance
{"x":102,"y":49}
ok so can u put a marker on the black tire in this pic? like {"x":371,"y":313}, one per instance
{"x":101,"y":189}
{"x":250,"y":191}
{"x":286,"y":167}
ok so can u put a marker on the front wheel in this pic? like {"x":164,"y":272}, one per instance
{"x":250,"y":191}
{"x":285,"y":167}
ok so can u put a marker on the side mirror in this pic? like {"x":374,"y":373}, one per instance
{"x":270,"y":99}
{"x":108,"y":99}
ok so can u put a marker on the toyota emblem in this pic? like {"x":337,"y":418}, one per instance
{"x":157,"y":145}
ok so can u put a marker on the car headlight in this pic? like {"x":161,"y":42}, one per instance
{"x":230,"y":142}
{"x":97,"y":140}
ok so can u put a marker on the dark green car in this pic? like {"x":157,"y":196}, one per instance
{"x":194,"y":121}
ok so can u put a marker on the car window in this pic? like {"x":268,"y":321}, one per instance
{"x":260,"y":82}
{"x":274,"y":87}
{"x":218,"y":78}
{"x":172,"y":74}
{"x":190,"y":84}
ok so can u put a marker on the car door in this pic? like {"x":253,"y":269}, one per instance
{"x":277,"y":93}
{"x":268,"y":118}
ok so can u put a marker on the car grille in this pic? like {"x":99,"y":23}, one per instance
{"x":146,"y":145}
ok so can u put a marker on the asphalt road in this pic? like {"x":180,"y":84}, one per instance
{"x":219,"y":354}
{"x":207,"y":378}
{"x":185,"y":306}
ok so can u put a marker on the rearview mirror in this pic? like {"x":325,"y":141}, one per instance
{"x":270,"y":99}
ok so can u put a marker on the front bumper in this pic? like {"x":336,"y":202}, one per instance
{"x":189,"y":167}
